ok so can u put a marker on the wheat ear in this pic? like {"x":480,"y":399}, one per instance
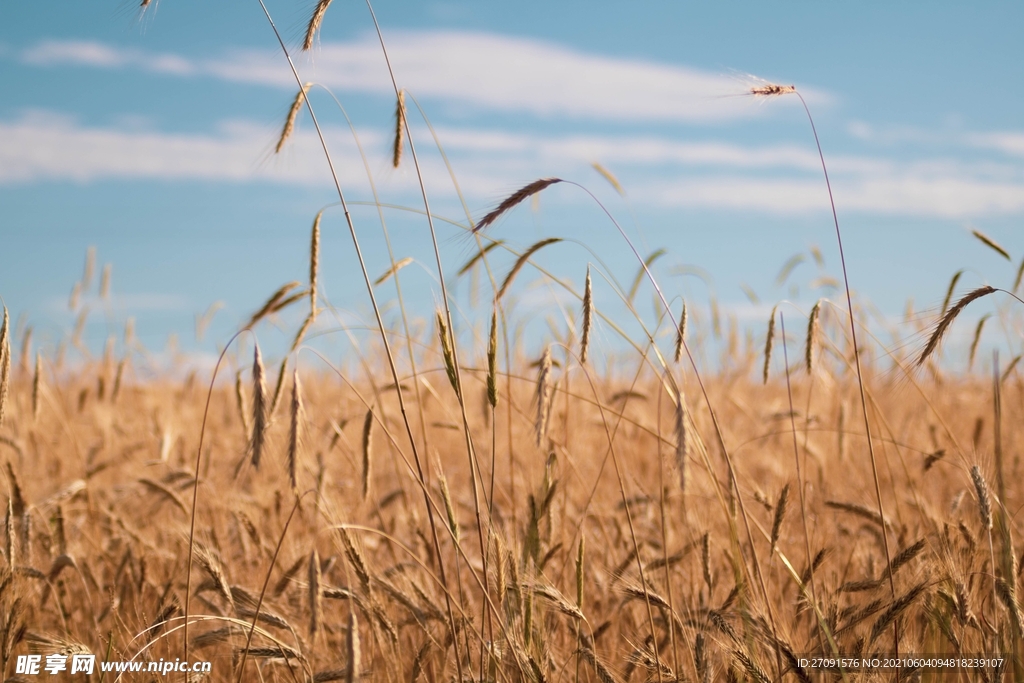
{"x":367,"y":452}
{"x":813,"y":326}
{"x":259,"y":409}
{"x":314,"y":265}
{"x":769,"y":340}
{"x":5,"y":362}
{"x":521,"y":261}
{"x":948,"y":318}
{"x":991,"y":244}
{"x":37,"y":379}
{"x":514,"y":199}
{"x":492,"y":361}
{"x":984,"y":501}
{"x":293,"y":113}
{"x":588,"y":315}
{"x":543,"y":395}
{"x":293,"y":434}
{"x":682,"y":445}
{"x":680,"y":335}
{"x":315,"y":593}
{"x":399,"y":143}
{"x":314,"y":23}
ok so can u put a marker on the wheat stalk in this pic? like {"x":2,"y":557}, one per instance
{"x":948,"y":318}
{"x":352,"y":648}
{"x":515,"y":198}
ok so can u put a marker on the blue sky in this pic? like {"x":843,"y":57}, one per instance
{"x":151,"y":138}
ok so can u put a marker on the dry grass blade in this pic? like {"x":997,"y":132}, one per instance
{"x":5,"y":362}
{"x":314,"y":264}
{"x":521,"y":261}
{"x":769,"y":340}
{"x":399,"y":142}
{"x":948,"y":318}
{"x":492,"y":361}
{"x":813,"y":324}
{"x":259,"y":409}
{"x":514,"y":199}
{"x":314,"y":23}
{"x":543,"y":396}
{"x":392,"y":270}
{"x":588,"y":316}
{"x":293,"y":112}
{"x":271,"y":304}
{"x":1020,"y":276}
{"x":294,"y":432}
{"x":680,"y":335}
{"x":367,"y":452}
{"x":984,"y":501}
{"x":991,"y":244}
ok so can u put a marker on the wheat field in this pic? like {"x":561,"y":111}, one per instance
{"x":489,"y":508}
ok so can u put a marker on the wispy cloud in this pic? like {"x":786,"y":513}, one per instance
{"x":661,"y":172}
{"x":485,"y":70}
{"x":43,"y":146}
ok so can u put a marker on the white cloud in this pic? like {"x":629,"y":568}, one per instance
{"x":43,"y":146}
{"x":489,"y":71}
{"x":40,"y":146}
